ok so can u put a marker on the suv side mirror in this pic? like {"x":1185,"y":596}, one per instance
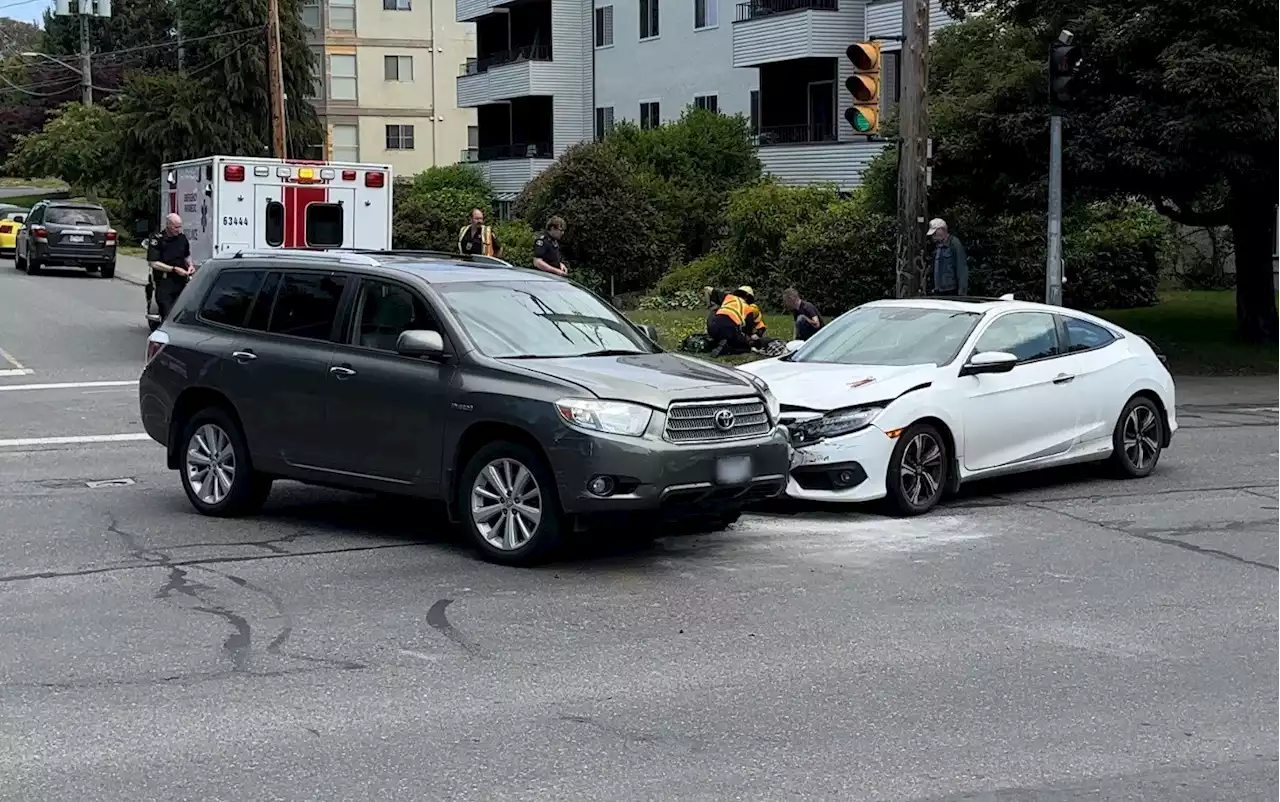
{"x":19,"y":218}
{"x":649,"y":331}
{"x":141,"y":229}
{"x":420,"y":343}
{"x":989,"y":362}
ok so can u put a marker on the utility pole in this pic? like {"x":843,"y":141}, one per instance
{"x":177,"y":30}
{"x":275,"y":77}
{"x":914,"y":131}
{"x":86,"y":72}
{"x":1064,"y":58}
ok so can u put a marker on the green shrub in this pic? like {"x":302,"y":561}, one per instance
{"x":711,"y":270}
{"x":759,"y":218}
{"x":680,"y":299}
{"x":432,"y":220}
{"x":839,"y":259}
{"x":1114,"y":255}
{"x":453,"y":176}
{"x":615,"y":232}
{"x":517,"y":242}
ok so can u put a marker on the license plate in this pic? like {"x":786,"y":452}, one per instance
{"x":76,"y":238}
{"x":733,"y":470}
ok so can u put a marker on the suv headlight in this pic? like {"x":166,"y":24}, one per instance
{"x":610,"y":417}
{"x":835,"y":423}
{"x":770,"y":402}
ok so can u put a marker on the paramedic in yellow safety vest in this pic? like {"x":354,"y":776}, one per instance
{"x":729,"y":326}
{"x":477,"y":239}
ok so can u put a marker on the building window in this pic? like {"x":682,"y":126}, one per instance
{"x":345,"y":143}
{"x":648,"y":19}
{"x":311,"y":14}
{"x":397,"y":5}
{"x":707,"y":102}
{"x":397,"y":68}
{"x":342,"y":15}
{"x":473,"y":136}
{"x":342,"y":77}
{"x":650,"y":115}
{"x":604,"y":121}
{"x":706,"y":14}
{"x":399,"y":137}
{"x":754,"y":114}
{"x":604,"y":26}
{"x":316,"y":90}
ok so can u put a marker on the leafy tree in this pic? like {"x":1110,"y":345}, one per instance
{"x":76,"y":145}
{"x":614,"y":229}
{"x":689,"y":167}
{"x":431,"y":220}
{"x":17,"y":36}
{"x":131,"y":27}
{"x":1176,"y":105}
{"x":842,"y":257}
{"x":758,"y":220}
{"x":453,"y":176}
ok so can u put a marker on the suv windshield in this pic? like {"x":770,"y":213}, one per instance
{"x":890,"y":335}
{"x":531,"y":319}
{"x":75,"y":216}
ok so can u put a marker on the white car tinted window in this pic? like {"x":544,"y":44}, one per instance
{"x":1026,"y":335}
{"x":1083,"y":335}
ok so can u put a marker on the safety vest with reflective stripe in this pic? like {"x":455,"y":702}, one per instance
{"x":486,"y":239}
{"x":753,"y":309}
{"x":734,"y":308}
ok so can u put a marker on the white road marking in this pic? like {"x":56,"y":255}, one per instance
{"x":4,"y":388}
{"x":74,"y":440}
{"x":18,"y":366}
{"x":17,"y":372}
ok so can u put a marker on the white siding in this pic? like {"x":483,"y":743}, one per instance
{"x":885,"y":19}
{"x":509,"y":176}
{"x":801,"y":34}
{"x":678,"y":65}
{"x":571,"y":40}
{"x":840,"y":164}
{"x":469,"y":10}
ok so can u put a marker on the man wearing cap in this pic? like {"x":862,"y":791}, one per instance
{"x":950,"y":267}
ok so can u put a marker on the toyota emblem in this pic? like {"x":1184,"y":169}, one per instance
{"x":724,"y":420}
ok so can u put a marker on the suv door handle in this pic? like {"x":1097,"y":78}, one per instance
{"x":244,"y":356}
{"x":342,"y":372}
{"x":1063,"y":378}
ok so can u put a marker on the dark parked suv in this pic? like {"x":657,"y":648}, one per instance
{"x":63,"y":233}
{"x":525,"y":402}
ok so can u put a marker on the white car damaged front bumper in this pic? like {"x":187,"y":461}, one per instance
{"x":850,"y":467}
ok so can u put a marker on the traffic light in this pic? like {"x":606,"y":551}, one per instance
{"x":864,"y":86}
{"x":1064,"y":60}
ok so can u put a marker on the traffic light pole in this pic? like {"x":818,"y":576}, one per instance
{"x":914,"y":131}
{"x":1053,"y":266}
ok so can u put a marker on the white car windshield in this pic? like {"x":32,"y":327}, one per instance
{"x":540,"y":319}
{"x":890,"y":335}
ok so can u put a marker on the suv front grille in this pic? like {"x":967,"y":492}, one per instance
{"x":709,"y":421}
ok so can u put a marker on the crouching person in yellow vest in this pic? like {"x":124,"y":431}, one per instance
{"x":477,"y":239}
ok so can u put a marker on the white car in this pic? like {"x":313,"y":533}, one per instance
{"x":906,"y":399}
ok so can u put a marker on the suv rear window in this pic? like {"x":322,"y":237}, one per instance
{"x":306,"y":305}
{"x":76,"y":216}
{"x":231,"y":296}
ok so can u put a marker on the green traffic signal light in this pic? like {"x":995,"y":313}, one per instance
{"x":864,"y":119}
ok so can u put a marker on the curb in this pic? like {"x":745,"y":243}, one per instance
{"x":131,"y":280}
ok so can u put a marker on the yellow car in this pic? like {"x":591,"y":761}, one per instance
{"x":10,"y":224}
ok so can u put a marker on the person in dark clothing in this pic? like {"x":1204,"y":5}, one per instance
{"x":950,"y":267}
{"x":169,"y":256}
{"x":546,"y":249}
{"x":727,"y":326}
{"x":807,"y":319}
{"x":477,"y":238}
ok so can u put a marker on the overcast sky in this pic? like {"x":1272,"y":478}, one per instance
{"x":25,"y":10}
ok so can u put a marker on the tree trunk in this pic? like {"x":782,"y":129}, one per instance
{"x":1253,"y":221}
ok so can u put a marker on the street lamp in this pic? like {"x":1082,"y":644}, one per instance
{"x":58,"y":61}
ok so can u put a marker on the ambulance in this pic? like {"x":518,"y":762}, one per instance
{"x":232,"y":203}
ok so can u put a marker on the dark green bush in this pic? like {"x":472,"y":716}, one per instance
{"x":710,"y":270}
{"x":841,"y":258}
{"x":432,"y":220}
{"x":517,"y":242}
{"x":759,"y":218}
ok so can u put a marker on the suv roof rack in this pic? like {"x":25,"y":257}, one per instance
{"x":432,"y":254}
{"x":342,"y":257}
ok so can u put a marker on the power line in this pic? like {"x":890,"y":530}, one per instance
{"x":28,"y":90}
{"x":158,"y":45}
{"x":220,"y":59}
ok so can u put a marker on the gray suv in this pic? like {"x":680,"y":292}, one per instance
{"x":66,"y":234}
{"x":525,"y":402}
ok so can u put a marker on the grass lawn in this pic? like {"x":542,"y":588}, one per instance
{"x":31,"y":183}
{"x":1197,"y":330}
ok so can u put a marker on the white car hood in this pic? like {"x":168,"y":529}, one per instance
{"x":824,"y":387}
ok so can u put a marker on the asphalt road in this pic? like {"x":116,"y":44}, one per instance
{"x":1064,"y":637}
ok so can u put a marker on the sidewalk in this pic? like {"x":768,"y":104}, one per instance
{"x":1214,"y":391}
{"x":132,"y":269}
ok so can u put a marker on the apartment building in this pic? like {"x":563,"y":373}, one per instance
{"x":385,"y":89}
{"x":552,"y":73}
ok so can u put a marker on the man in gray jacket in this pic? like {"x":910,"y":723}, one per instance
{"x":950,"y":268}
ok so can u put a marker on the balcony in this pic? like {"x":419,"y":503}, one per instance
{"x":767,"y":31}
{"x":471,"y":10}
{"x":506,"y":74}
{"x":805,"y":163}
{"x":803,"y":134}
{"x":509,"y":167}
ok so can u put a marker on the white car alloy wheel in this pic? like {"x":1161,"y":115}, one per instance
{"x":921,"y":469}
{"x":506,"y":504}
{"x":1141,"y":437}
{"x":210,"y":464}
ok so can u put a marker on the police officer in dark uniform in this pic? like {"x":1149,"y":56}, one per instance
{"x":169,"y":256}
{"x":546,"y":248}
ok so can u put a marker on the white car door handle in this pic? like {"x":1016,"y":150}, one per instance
{"x":1063,"y":378}
{"x":341,"y":372}
{"x":244,"y":356}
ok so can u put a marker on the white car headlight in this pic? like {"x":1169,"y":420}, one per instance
{"x":834,"y":424}
{"x":770,"y":402}
{"x":610,"y":417}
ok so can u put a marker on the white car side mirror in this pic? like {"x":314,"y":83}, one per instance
{"x":989,"y":362}
{"x":794,"y":346}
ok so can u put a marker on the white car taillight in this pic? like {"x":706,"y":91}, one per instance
{"x":155,"y":344}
